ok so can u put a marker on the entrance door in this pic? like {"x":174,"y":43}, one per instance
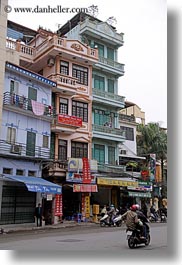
{"x":30,"y":145}
{"x":32,"y":94}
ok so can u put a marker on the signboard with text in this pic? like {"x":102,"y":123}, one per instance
{"x":70,"y":120}
{"x":58,"y":211}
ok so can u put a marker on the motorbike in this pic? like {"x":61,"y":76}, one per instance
{"x":105,"y":220}
{"x":153,"y":218}
{"x":117,"y":220}
{"x":134,"y":237}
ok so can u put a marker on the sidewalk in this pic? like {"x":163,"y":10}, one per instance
{"x":6,"y":229}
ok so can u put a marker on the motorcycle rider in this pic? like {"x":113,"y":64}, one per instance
{"x":132,"y":221}
{"x":144,"y":220}
{"x":112,"y":214}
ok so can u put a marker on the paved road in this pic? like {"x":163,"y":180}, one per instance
{"x":85,"y":239}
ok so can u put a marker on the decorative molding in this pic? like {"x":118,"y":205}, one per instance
{"x":77,"y":47}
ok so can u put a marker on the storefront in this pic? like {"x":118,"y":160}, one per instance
{"x":109,"y":190}
{"x":19,"y":196}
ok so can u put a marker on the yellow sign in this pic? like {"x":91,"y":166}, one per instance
{"x":117,"y":182}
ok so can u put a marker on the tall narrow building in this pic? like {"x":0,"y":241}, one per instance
{"x":106,"y":134}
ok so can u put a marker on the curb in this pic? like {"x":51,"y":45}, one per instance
{"x":5,"y":230}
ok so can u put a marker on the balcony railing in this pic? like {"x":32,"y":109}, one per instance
{"x":108,"y":95}
{"x":23,"y":150}
{"x":112,"y":63}
{"x":46,"y":45}
{"x":124,"y":117}
{"x":64,"y":80}
{"x":108,"y":168}
{"x":24,"y":103}
{"x":108,"y":130}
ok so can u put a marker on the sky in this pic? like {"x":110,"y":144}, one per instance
{"x":144,"y":24}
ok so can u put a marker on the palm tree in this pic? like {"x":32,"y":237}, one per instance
{"x":152,"y":139}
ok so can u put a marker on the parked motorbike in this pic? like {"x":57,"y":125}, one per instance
{"x":153,"y":218}
{"x":105,"y":220}
{"x":134,"y":237}
{"x":117,"y":220}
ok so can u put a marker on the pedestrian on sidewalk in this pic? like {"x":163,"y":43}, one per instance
{"x":38,"y":214}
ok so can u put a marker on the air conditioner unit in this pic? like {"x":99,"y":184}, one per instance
{"x":16,"y":149}
{"x":50,"y":62}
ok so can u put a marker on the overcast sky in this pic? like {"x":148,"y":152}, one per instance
{"x":144,"y":24}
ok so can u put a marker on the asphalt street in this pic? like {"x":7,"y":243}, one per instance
{"x":85,"y":239}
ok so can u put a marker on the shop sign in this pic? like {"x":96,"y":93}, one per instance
{"x":116,"y":182}
{"x":69,"y":120}
{"x":84,"y":188}
{"x":76,"y":165}
{"x":75,"y":177}
{"x":140,"y":194}
{"x":86,"y":171}
{"x":58,"y":211}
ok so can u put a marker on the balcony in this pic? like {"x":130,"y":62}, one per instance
{"x":101,"y":31}
{"x":65,"y":84}
{"x":110,"y":66}
{"x":23,"y":151}
{"x":107,"y":133}
{"x":108,"y":168}
{"x":52,"y":47}
{"x":66,"y":123}
{"x":57,"y":168}
{"x":108,"y":98}
{"x":128,"y":118}
{"x":23,"y":105}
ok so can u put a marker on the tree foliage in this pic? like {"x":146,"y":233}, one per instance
{"x":152,"y":139}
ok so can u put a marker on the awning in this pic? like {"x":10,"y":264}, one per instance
{"x":35,"y":184}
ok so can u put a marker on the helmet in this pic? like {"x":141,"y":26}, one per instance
{"x":133,"y":207}
{"x":137,"y":206}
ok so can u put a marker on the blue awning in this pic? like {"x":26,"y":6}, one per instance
{"x":38,"y":184}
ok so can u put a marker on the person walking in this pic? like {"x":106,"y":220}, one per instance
{"x":38,"y":214}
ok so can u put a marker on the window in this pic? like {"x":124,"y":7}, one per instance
{"x":99,"y":82}
{"x":63,"y":106}
{"x":64,"y":68}
{"x":14,"y":87}
{"x":45,"y":143}
{"x":80,"y":109}
{"x":30,"y":144}
{"x":129,"y":133}
{"x":20,"y":172}
{"x":111,"y":155}
{"x":11,"y":135}
{"x":32,"y":95}
{"x":110,"y":53}
{"x":62,"y":150}
{"x":32,"y":173}
{"x":100,"y":49}
{"x":79,"y":150}
{"x":100,"y":117}
{"x":110,"y":86}
{"x":8,"y":171}
{"x":99,"y":153}
{"x":81,"y":73}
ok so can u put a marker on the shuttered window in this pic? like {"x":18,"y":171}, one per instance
{"x":99,"y":153}
{"x":110,"y":53}
{"x":110,"y":85}
{"x":11,"y":135}
{"x":99,"y":82}
{"x":111,"y":155}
